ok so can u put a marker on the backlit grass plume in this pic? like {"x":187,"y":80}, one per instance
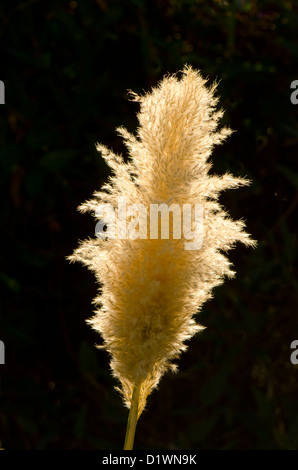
{"x":152,"y":288}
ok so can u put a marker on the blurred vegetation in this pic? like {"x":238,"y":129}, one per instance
{"x":67,"y":66}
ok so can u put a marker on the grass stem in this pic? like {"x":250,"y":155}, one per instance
{"x":132,"y":419}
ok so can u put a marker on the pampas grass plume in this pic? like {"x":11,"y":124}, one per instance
{"x":150,"y":290}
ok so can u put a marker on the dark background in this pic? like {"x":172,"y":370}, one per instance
{"x":67,"y":67}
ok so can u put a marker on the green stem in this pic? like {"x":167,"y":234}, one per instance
{"x":132,"y":419}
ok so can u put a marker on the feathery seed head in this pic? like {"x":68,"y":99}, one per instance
{"x":151,"y":289}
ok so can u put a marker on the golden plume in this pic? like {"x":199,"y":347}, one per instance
{"x":151,"y":288}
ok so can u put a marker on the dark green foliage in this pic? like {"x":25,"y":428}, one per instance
{"x":67,"y":67}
